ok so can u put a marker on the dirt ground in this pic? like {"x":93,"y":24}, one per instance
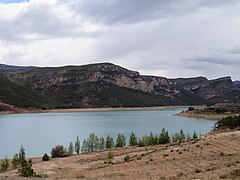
{"x":216,"y":156}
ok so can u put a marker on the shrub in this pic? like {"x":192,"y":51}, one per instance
{"x":189,"y":136}
{"x":109,"y":142}
{"x":4,"y":164}
{"x":127,"y":158}
{"x":59,"y":151}
{"x":151,"y":139}
{"x":91,"y":144}
{"x":110,"y":155}
{"x":179,"y":136}
{"x":15,"y":161}
{"x":229,"y":122}
{"x":101,"y":143}
{"x":164,"y":137}
{"x":26,"y":169}
{"x":121,"y":141}
{"x":191,"y":108}
{"x":22,"y":155}
{"x":195,"y":136}
{"x":45,"y":157}
{"x":77,"y":145}
{"x":133,"y":140}
{"x":70,"y":149}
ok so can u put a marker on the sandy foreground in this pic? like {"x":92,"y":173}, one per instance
{"x":27,"y":111}
{"x":215,"y":156}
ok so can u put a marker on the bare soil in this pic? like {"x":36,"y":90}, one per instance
{"x":216,"y":156}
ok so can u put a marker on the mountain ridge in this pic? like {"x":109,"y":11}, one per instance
{"x":110,"y":85}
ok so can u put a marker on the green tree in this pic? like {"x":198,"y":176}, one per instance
{"x":92,"y":143}
{"x":59,"y":151}
{"x":195,"y":136}
{"x":77,"y":145}
{"x":70,"y":149}
{"x":26,"y":169}
{"x":156,"y":139}
{"x":45,"y":157}
{"x":15,"y":160}
{"x":189,"y":137}
{"x":22,"y":155}
{"x":101,"y":143}
{"x":164,"y":137}
{"x":145,"y":141}
{"x":5,"y":164}
{"x":151,"y":139}
{"x":110,"y":155}
{"x":121,"y":140}
{"x":84,"y":146}
{"x":133,"y":140}
{"x":109,"y":142}
{"x":182,"y":135}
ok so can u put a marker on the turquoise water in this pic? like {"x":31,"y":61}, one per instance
{"x":39,"y":132}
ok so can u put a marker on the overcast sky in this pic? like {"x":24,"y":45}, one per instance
{"x":171,"y":38}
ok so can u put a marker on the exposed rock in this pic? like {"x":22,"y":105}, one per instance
{"x":106,"y":84}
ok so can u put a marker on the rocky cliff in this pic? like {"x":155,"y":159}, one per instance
{"x":109,"y":85}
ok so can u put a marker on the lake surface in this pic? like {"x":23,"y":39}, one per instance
{"x":39,"y":132}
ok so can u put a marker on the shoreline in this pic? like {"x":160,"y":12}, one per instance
{"x":204,"y":116}
{"x":30,"y":111}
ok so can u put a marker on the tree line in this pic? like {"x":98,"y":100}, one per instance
{"x":94,"y":143}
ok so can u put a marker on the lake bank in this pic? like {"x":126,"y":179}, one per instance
{"x":205,"y":116}
{"x":29,"y":111}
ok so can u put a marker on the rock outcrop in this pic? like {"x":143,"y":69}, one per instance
{"x":109,"y":85}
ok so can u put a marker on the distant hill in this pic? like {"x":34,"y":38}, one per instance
{"x":109,"y":85}
{"x":7,"y":68}
{"x":237,"y":83}
{"x":19,"y":96}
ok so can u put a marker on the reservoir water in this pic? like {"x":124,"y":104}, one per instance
{"x":39,"y":132}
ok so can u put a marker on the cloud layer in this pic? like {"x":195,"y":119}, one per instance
{"x":173,"y":38}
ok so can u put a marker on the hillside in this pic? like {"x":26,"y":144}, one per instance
{"x":109,"y":85}
{"x":216,"y":156}
{"x":19,"y":96}
{"x":7,"y":68}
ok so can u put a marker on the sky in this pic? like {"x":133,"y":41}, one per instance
{"x":170,"y":38}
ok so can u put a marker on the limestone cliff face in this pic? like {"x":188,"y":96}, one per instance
{"x":106,"y":84}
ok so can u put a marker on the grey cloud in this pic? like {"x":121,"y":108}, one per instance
{"x":172,"y":38}
{"x":40,"y":22}
{"x":134,"y":11}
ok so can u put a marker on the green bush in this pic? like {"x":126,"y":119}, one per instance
{"x":45,"y":157}
{"x":195,"y":135}
{"x":77,"y":145}
{"x":26,"y":169}
{"x":179,"y":136}
{"x":59,"y":151}
{"x":109,"y":142}
{"x":70,"y":149}
{"x":133,"y":140}
{"x":121,"y":141}
{"x":15,"y":161}
{"x":164,"y":137}
{"x":110,"y":155}
{"x":4,"y":164}
{"x":228,"y":122}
